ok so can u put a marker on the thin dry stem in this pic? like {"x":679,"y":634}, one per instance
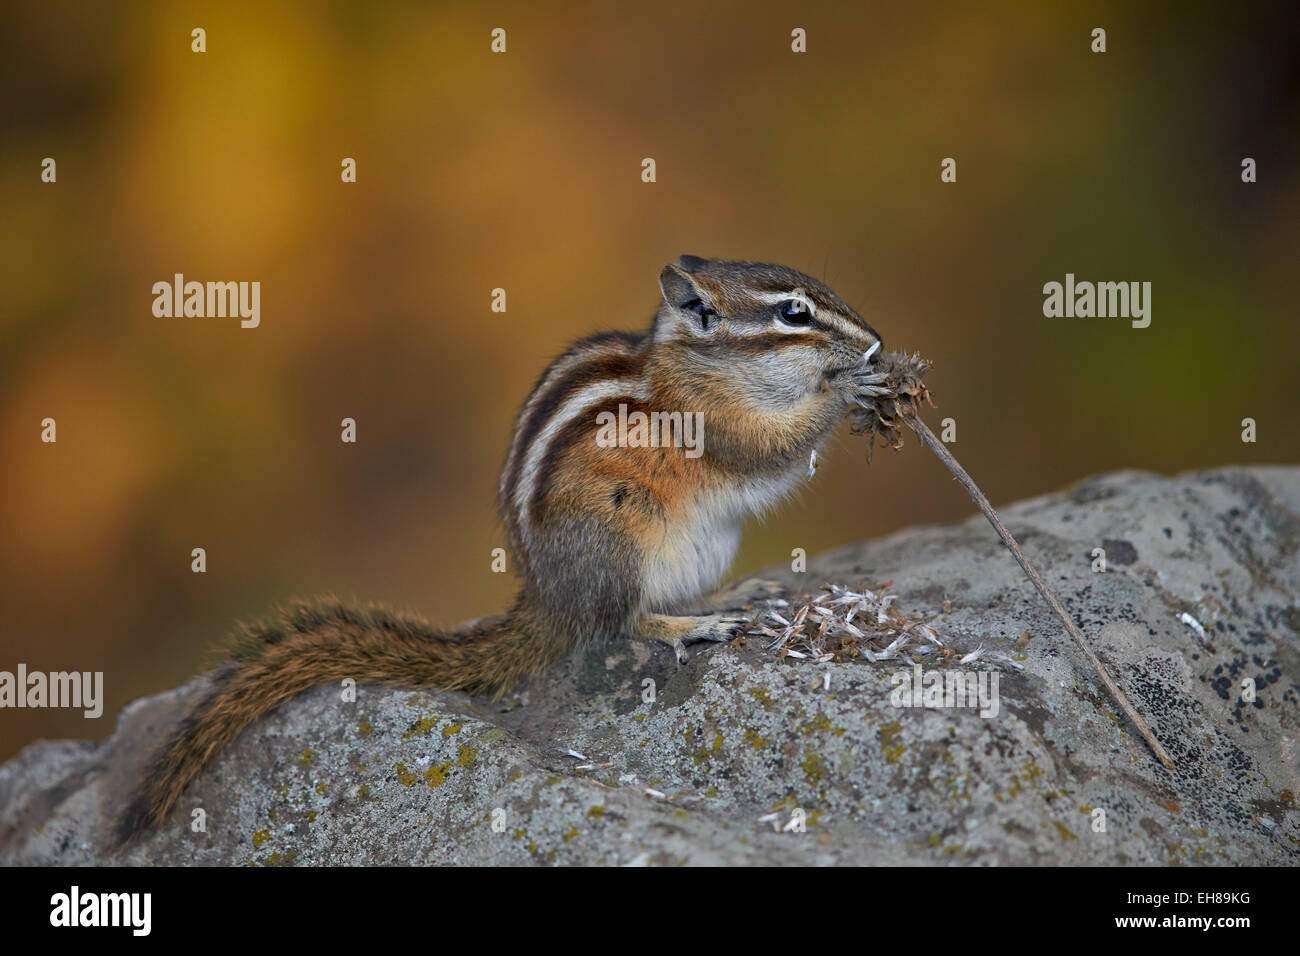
{"x":908,"y":412}
{"x":889,"y":392}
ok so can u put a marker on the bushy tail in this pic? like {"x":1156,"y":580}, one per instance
{"x":325,"y":642}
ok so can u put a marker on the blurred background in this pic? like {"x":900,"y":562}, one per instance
{"x":522,"y":171}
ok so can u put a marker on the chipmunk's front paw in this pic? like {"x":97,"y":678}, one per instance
{"x":677,"y":632}
{"x":717,"y":629}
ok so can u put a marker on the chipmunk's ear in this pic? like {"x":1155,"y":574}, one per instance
{"x":684,"y":296}
{"x":677,"y":287}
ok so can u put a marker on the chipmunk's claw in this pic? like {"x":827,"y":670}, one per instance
{"x":721,"y":629}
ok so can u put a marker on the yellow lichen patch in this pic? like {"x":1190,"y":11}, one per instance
{"x":706,"y":751}
{"x":465,"y":755}
{"x":763,"y":696}
{"x":820,"y":722}
{"x":404,"y":776}
{"x":889,"y":743}
{"x":363,"y":727}
{"x":1063,"y":831}
{"x":260,"y":837}
{"x":812,"y":768}
{"x":421,"y":726}
{"x":596,"y":812}
{"x":307,"y":757}
{"x":757,"y":742}
{"x":451,"y":730}
{"x":436,"y":776}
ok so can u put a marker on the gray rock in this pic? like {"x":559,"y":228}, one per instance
{"x":737,"y":735}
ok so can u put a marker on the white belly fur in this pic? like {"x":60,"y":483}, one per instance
{"x":694,"y":554}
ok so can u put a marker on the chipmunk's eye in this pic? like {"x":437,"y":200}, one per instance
{"x":795,"y":312}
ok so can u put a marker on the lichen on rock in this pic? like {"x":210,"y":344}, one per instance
{"x":743,"y":758}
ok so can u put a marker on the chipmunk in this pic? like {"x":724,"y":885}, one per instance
{"x":609,"y":541}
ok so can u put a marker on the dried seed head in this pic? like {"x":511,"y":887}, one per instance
{"x":880,"y":387}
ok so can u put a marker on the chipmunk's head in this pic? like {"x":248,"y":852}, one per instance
{"x":785,"y":333}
